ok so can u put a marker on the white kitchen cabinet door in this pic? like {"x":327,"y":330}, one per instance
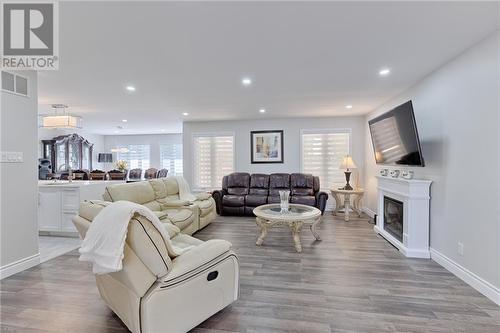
{"x":70,"y":200}
{"x":49,"y":210}
{"x":67,"y":223}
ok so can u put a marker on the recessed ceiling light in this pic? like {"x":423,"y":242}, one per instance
{"x":185,"y":114}
{"x":384,"y":72}
{"x":348,"y":106}
{"x":130,"y":88}
{"x":262,"y":110}
{"x":124,"y":120}
{"x":246,"y":81}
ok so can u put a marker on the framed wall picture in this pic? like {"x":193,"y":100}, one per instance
{"x":267,"y":146}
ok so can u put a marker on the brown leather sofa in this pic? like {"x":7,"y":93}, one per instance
{"x":242,"y":192}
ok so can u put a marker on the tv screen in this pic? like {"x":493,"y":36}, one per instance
{"x":395,"y":137}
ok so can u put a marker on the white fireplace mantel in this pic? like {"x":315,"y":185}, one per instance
{"x":415,"y":196}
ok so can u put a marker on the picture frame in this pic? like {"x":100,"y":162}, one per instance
{"x":266,"y":146}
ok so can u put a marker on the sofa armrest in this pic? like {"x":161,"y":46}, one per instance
{"x":217,"y":195}
{"x":172,"y":229}
{"x":173,"y":203}
{"x":202,"y":196}
{"x":321,"y":198}
{"x":194,"y":260}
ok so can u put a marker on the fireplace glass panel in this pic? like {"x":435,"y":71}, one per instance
{"x":393,"y":218}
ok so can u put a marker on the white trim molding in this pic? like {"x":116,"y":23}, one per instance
{"x":368,"y":212}
{"x":482,"y":286}
{"x":19,"y":266}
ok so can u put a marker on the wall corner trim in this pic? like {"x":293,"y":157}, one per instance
{"x":19,"y":266}
{"x":368,"y":212}
{"x":481,"y":285}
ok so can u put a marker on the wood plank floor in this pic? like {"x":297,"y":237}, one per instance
{"x":51,"y":246}
{"x":351,"y":281}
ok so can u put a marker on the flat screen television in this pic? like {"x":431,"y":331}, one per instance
{"x":395,"y":137}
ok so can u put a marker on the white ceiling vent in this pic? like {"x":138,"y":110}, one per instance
{"x":14,"y":83}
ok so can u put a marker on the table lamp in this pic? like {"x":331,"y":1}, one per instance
{"x":105,"y":158}
{"x":347,"y":164}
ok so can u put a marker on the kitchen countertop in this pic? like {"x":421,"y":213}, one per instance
{"x":76,"y":183}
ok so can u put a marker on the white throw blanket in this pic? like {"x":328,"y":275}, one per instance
{"x":185,"y":192}
{"x":105,"y":239}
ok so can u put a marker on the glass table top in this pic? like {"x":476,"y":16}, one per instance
{"x":293,"y":211}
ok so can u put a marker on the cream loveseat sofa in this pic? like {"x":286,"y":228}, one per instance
{"x":154,"y":293}
{"x":161,"y":195}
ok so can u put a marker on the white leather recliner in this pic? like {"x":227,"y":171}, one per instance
{"x":154,"y":293}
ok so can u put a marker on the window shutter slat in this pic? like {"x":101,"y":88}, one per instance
{"x":138,"y":156}
{"x":322,"y":153}
{"x":213,"y":159}
{"x":171,"y":158}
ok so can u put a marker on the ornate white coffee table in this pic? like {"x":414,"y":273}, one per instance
{"x":297,"y":216}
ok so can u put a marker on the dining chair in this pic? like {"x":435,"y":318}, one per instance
{"x":135,"y":174}
{"x":162,"y":173}
{"x":97,"y":175}
{"x":150,"y":173}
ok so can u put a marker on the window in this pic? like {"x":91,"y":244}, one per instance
{"x":213,"y":159}
{"x":136,"y":156}
{"x":322,"y":153}
{"x":171,"y":158}
{"x":14,"y":83}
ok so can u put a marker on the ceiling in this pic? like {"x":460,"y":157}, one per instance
{"x":305,"y":59}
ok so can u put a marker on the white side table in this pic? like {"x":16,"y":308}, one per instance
{"x":346,"y":202}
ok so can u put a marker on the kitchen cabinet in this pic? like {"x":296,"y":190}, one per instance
{"x":58,"y":203}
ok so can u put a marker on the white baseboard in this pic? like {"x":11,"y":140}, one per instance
{"x":19,"y":266}
{"x":484,"y":287}
{"x":368,"y":212}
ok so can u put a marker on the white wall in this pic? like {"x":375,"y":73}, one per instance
{"x":457,"y":112}
{"x":96,"y":139}
{"x":291,"y":139}
{"x":18,"y":181}
{"x":154,"y":140}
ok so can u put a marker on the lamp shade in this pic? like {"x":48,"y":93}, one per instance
{"x":119,"y":150}
{"x":60,"y":118}
{"x":61,"y":121}
{"x":105,"y":158}
{"x":347,"y":163}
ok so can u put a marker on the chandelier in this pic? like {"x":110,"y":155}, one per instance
{"x":60,"y":118}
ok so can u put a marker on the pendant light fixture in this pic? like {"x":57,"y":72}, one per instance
{"x":60,"y":118}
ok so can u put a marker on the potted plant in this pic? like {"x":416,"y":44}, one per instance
{"x":121,"y":165}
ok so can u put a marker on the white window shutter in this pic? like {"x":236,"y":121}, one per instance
{"x":138,"y":156}
{"x":213,"y":159}
{"x":322,"y":153}
{"x":171,"y":158}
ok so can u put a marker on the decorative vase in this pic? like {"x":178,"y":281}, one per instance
{"x":284,"y":204}
{"x":394,"y":173}
{"x":407,"y":174}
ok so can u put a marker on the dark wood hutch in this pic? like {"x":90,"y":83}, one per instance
{"x":70,"y":150}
